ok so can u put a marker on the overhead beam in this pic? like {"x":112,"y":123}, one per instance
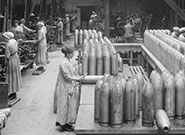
{"x":176,"y":8}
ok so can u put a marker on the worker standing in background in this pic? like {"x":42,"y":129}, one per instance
{"x":25,"y":29}
{"x":175,"y":33}
{"x":65,"y":91}
{"x":182,"y":34}
{"x":129,"y":32}
{"x":60,"y":34}
{"x":73,"y":21}
{"x":41,"y":47}
{"x":17,"y":30}
{"x":93,"y":22}
{"x":67,"y":26}
{"x":138,"y":24}
{"x":149,"y":22}
{"x":13,"y":73}
{"x":93,"y":14}
{"x":45,"y":31}
{"x":44,"y":26}
{"x":16,"y":27}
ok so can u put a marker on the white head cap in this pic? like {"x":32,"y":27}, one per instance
{"x":40,"y":24}
{"x":182,"y":30}
{"x":8,"y":35}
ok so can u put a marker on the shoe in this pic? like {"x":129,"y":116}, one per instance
{"x":67,"y":128}
{"x":61,"y":129}
{"x":12,"y":96}
{"x":57,"y":124}
{"x":61,"y":126}
{"x":68,"y":125}
{"x":39,"y":69}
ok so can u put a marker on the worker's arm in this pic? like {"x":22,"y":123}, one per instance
{"x":7,"y":52}
{"x":39,"y":37}
{"x":67,"y":75}
{"x":28,"y":29}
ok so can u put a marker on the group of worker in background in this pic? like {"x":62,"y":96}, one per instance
{"x":96,"y":22}
{"x":137,"y":23}
{"x":66,"y":113}
{"x":13,"y":37}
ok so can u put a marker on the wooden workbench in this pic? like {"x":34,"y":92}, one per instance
{"x":85,"y":121}
{"x":139,"y":47}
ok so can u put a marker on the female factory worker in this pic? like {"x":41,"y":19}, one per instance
{"x":175,"y":33}
{"x":16,"y":28}
{"x":66,"y":80}
{"x":13,"y":74}
{"x":22,"y":24}
{"x":41,"y":47}
{"x":67,"y":25}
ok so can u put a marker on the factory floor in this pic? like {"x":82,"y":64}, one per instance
{"x":33,"y":115}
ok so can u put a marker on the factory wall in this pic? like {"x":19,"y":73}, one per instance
{"x":122,"y":7}
{"x":78,"y":5}
{"x":156,"y":7}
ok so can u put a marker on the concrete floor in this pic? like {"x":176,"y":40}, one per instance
{"x":33,"y":115}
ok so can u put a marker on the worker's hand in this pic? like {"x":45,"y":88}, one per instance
{"x":70,"y":93}
{"x":84,"y":75}
{"x":80,"y":78}
{"x":34,"y":31}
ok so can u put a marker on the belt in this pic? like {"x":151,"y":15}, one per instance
{"x":13,"y":53}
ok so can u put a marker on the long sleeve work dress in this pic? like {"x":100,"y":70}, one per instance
{"x":60,"y":32}
{"x":41,"y":49}
{"x":13,"y":74}
{"x":66,"y":97}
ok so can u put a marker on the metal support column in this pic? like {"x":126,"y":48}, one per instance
{"x":107,"y":17}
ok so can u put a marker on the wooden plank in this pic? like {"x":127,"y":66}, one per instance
{"x":38,"y":72}
{"x":131,"y":58}
{"x":131,"y":70}
{"x":153,"y":60}
{"x":87,"y":94}
{"x":126,"y":72}
{"x":128,"y":47}
{"x":144,"y":74}
{"x":135,"y":69}
{"x":13,"y":102}
{"x":85,"y":125}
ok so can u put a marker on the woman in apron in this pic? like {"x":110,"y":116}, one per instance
{"x":13,"y":73}
{"x":66,"y":89}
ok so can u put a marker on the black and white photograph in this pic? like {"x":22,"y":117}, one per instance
{"x":92,"y":67}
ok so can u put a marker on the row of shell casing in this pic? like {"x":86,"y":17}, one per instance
{"x":118,"y":101}
{"x":171,"y":41}
{"x":99,"y":57}
{"x":169,"y":53}
{"x":169,"y":93}
{"x":80,"y":35}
